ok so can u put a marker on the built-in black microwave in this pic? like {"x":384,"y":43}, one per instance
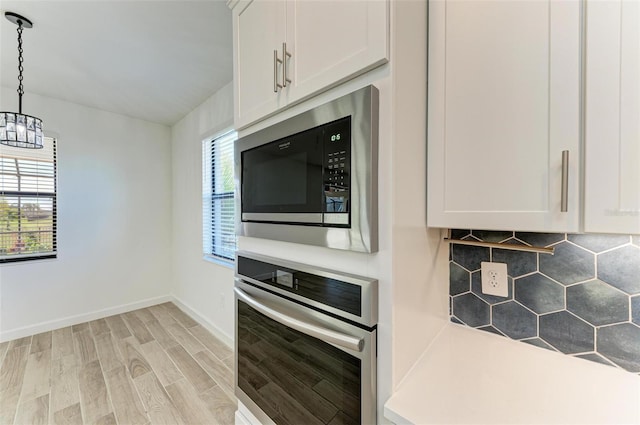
{"x":312,"y":178}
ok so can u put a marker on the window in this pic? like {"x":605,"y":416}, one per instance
{"x":218,"y":203}
{"x":28,"y":202}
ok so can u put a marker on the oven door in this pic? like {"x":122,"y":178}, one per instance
{"x":298,"y":366}
{"x":282,"y":180}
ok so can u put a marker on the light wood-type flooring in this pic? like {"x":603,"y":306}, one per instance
{"x":150,"y":366}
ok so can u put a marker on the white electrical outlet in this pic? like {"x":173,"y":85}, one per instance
{"x":494,"y":279}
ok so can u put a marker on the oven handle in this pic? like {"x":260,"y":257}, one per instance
{"x":327,"y":335}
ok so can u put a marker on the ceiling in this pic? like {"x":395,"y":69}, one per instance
{"x":154,"y":60}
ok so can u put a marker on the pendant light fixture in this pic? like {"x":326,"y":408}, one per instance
{"x":18,"y":129}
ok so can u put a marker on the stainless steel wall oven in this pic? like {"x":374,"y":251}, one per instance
{"x":305,"y":343}
{"x":312,"y":178}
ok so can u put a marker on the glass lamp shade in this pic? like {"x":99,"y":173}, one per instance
{"x":20,"y":130}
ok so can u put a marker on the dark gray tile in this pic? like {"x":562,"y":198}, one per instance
{"x":454,"y":319}
{"x":621,"y":345}
{"x":518,"y":263}
{"x":570,"y":264}
{"x":539,"y":293}
{"x":459,"y":279}
{"x":491,"y":236}
{"x":598,"y":243}
{"x":621,"y":268}
{"x":460,"y":233}
{"x":476,"y":288}
{"x":514,"y":320}
{"x":469,"y":257}
{"x":540,"y":239}
{"x":635,"y":309}
{"x":471,"y":310}
{"x":566,"y":332}
{"x":491,"y":329}
{"x":598,"y":303}
{"x":595,"y":358}
{"x":539,"y":343}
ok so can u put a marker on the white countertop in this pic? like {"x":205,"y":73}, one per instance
{"x":468,"y":376}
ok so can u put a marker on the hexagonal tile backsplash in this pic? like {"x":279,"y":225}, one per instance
{"x":584,"y":301}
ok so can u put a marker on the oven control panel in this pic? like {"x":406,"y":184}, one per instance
{"x":326,"y":291}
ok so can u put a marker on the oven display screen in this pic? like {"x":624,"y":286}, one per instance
{"x":294,"y":378}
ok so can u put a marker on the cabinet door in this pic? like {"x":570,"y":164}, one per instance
{"x":503,"y":104}
{"x":612,"y":178}
{"x":259,"y":29}
{"x":332,"y":41}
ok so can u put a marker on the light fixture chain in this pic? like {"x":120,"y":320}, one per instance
{"x":20,"y":67}
{"x":17,"y":129}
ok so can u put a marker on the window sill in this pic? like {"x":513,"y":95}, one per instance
{"x":28,"y":260}
{"x":220,"y":261}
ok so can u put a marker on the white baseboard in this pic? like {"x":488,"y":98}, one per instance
{"x":240,"y":419}
{"x":201,"y":319}
{"x":80,"y":318}
{"x":99,"y":314}
{"x":244,"y":416}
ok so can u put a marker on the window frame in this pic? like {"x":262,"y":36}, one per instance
{"x":212,"y":201}
{"x":37,"y":194}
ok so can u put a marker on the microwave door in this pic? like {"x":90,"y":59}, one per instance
{"x":280,"y":180}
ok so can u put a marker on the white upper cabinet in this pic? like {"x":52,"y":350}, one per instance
{"x":334,"y":40}
{"x":503,"y":106}
{"x":259,"y":29}
{"x":326,"y":42}
{"x":612,"y":125}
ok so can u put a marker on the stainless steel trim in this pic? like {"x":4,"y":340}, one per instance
{"x":335,"y":218}
{"x":276,"y":61}
{"x":362,"y":236}
{"x":369,"y":287}
{"x":541,"y":250}
{"x":583,"y":102}
{"x":564,"y":197}
{"x":326,"y":335}
{"x":284,"y":217}
{"x":285,"y":55}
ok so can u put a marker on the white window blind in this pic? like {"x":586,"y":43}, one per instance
{"x":28,"y":202}
{"x":218,"y":204}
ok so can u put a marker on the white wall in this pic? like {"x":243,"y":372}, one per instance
{"x":420,"y":256}
{"x":204,"y":288}
{"x":114,"y":220}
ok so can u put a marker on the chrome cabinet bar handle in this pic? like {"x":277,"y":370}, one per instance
{"x":276,"y":61}
{"x":564,"y":197}
{"x":285,"y":55}
{"x":327,"y":335}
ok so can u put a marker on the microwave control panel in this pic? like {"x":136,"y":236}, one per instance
{"x":337,"y":165}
